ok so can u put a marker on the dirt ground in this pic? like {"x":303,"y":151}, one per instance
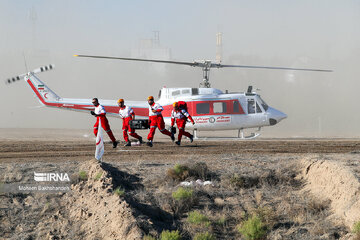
{"x":262,"y":177}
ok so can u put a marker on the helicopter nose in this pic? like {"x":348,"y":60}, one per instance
{"x":275,"y":116}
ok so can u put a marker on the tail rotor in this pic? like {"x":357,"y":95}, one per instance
{"x":37,"y":70}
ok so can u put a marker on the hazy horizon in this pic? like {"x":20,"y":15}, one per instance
{"x":304,"y":34}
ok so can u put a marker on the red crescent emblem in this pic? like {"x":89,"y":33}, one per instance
{"x":45,"y":95}
{"x":98,"y":142}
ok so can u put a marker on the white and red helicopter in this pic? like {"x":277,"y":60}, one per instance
{"x":211,"y":109}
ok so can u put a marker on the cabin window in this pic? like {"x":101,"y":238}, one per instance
{"x":251,"y":106}
{"x":219,"y":107}
{"x":236,"y":106}
{"x":185,"y":91}
{"x":175,"y":93}
{"x":202,"y":108}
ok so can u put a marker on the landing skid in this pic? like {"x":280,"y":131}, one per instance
{"x":241,"y":135}
{"x":251,"y":136}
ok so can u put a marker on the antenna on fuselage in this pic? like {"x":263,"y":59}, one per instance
{"x":26,"y":67}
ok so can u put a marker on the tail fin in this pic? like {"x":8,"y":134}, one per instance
{"x":44,"y":94}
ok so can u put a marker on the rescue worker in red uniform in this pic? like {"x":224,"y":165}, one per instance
{"x":100,"y":114}
{"x":181,"y":116}
{"x":156,"y":120}
{"x":127,"y":114}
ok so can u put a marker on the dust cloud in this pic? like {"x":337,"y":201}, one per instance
{"x":300,"y":34}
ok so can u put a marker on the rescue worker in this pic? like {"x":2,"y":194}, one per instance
{"x":181,"y":116}
{"x":100,"y":114}
{"x":156,"y":120}
{"x":127,"y":114}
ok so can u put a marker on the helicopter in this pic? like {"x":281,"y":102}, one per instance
{"x":211,"y":109}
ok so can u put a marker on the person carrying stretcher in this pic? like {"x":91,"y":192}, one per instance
{"x":180,"y":114}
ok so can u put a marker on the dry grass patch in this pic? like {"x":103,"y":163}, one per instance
{"x":180,"y":172}
{"x":237,"y":181}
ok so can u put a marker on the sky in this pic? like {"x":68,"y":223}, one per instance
{"x":321,"y":34}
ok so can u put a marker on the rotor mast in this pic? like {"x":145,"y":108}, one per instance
{"x":206,"y":75}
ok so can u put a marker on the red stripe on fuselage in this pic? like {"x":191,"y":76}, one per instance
{"x":192,"y":108}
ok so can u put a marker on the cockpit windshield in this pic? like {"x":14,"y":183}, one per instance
{"x":262,"y":102}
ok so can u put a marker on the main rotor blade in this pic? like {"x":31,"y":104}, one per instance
{"x":278,"y":68}
{"x":203,"y":64}
{"x":193,"y":64}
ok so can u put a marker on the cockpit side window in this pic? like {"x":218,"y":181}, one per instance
{"x":263,"y":103}
{"x":258,"y":109}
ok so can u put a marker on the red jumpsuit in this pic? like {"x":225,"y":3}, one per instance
{"x":100,"y":111}
{"x":181,"y":116}
{"x":127,"y":114}
{"x":156,"y":120}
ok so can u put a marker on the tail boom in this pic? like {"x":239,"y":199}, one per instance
{"x":49,"y":98}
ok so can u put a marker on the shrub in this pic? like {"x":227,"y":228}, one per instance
{"x":356,"y":228}
{"x":266,"y":215}
{"x":253,"y":228}
{"x":182,"y":194}
{"x":167,"y":235}
{"x":83,"y":176}
{"x":204,"y":236}
{"x":199,"y":170}
{"x":182,"y":200}
{"x":315,"y":206}
{"x":179,"y":172}
{"x":197,"y":218}
{"x":97,"y":176}
{"x":148,"y":237}
{"x":119,"y":191}
{"x":243,"y":181}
